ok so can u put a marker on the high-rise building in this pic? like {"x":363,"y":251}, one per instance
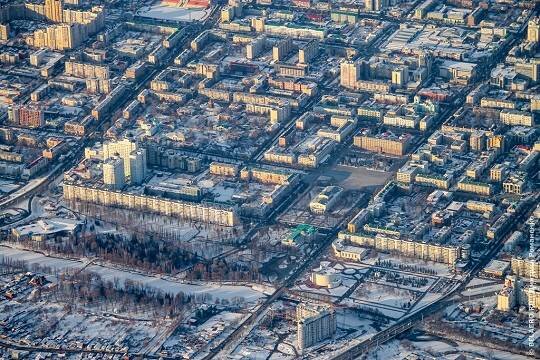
{"x":314,"y":323}
{"x":535,"y":103}
{"x":308,"y":51}
{"x":67,"y":36}
{"x":350,"y":73}
{"x":516,"y":293}
{"x":425,"y":59}
{"x":400,"y":76}
{"x":25,"y":116}
{"x":54,"y":10}
{"x":477,"y":140}
{"x":113,"y":173}
{"x":123,"y":149}
{"x":4,"y":31}
{"x":375,"y":5}
{"x":137,"y":160}
{"x":529,"y":69}
{"x":68,"y":29}
{"x":282,"y":49}
{"x":255,"y":47}
{"x":533,"y":30}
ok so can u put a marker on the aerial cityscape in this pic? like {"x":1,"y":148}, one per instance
{"x":270,"y":179}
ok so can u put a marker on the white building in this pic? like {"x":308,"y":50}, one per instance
{"x":325,"y":200}
{"x":314,"y":324}
{"x":133,"y":156}
{"x":113,"y":173}
{"x":376,"y":5}
{"x":137,"y":166}
{"x":123,"y":149}
{"x":350,"y":73}
{"x":533,"y":30}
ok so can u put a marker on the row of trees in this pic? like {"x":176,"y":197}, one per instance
{"x":405,"y":267}
{"x":90,"y":291}
{"x":144,"y":252}
{"x":478,"y":335}
{"x":222,"y":270}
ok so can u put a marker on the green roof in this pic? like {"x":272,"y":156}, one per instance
{"x":302,"y":229}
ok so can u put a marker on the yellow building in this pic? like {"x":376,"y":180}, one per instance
{"x":350,"y":73}
{"x":292,"y":70}
{"x":255,"y":47}
{"x":113,"y":173}
{"x":515,"y":293}
{"x":282,"y":49}
{"x":381,"y":144}
{"x":527,"y":268}
{"x":407,"y":174}
{"x":533,"y":30}
{"x":373,"y":86}
{"x":392,"y":118}
{"x":535,"y":103}
{"x":209,"y":213}
{"x":479,"y":206}
{"x":325,"y":200}
{"x":426,"y":251}
{"x":515,"y":183}
{"x":506,"y":299}
{"x":433,"y":180}
{"x":267,"y":176}
{"x":275,"y":114}
{"x":4,"y":31}
{"x":54,"y":10}
{"x":516,"y":118}
{"x":227,"y":14}
{"x":366,"y":113}
{"x":497,"y":172}
{"x":223,"y":169}
{"x":279,"y":157}
{"x":475,"y":187}
{"x":497,"y":103}
{"x":348,"y":253}
{"x":530,"y":296}
{"x":307,"y":52}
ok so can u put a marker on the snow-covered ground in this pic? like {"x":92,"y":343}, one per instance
{"x":7,"y":186}
{"x":479,"y":281}
{"x":394,"y":350}
{"x":441,"y":269}
{"x":190,"y":342}
{"x":228,"y":292}
{"x":165,"y":12}
{"x":488,"y":290}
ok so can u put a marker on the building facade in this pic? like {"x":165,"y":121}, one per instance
{"x":314,"y":324}
{"x":203,"y":212}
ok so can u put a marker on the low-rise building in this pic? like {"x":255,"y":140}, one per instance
{"x":326,"y":199}
{"x":386,"y":142}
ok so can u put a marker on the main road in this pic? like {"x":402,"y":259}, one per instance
{"x":243,"y":330}
{"x":413,"y":319}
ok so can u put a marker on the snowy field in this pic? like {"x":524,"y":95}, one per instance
{"x":7,"y":186}
{"x":228,"y":292}
{"x":188,"y":342}
{"x":76,"y":328}
{"x":394,"y":350}
{"x":440,"y":269}
{"x":488,"y":290}
{"x":164,"y":12}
